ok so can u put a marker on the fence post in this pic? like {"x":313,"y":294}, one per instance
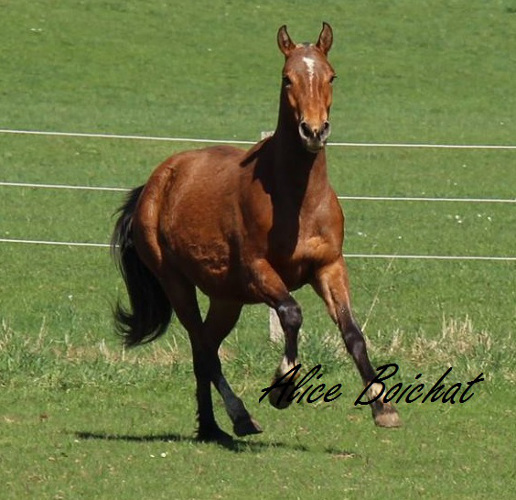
{"x":275,"y":330}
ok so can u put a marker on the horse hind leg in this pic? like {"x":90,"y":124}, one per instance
{"x":220,"y":320}
{"x":208,"y":429}
{"x":183,"y":297}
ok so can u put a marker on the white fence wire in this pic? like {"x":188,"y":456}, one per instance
{"x":236,"y":141}
{"x":340,"y":197}
{"x":347,"y":255}
{"x":233,"y":141}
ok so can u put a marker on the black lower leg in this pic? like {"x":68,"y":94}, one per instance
{"x":208,"y":429}
{"x":384,"y":414}
{"x":291,"y":318}
{"x":356,"y":346}
{"x":243,"y":423}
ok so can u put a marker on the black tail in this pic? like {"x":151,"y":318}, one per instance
{"x":151,"y":310}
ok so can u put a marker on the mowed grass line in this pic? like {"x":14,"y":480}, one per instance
{"x":79,"y":418}
{"x":126,"y":424}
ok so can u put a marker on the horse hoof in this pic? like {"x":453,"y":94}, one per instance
{"x":246,"y":427}
{"x":279,"y":399}
{"x":388,"y":417}
{"x":213,"y":435}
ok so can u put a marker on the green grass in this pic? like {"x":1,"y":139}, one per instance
{"x":81,"y":418}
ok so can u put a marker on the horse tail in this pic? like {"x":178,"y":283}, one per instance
{"x":150,"y":311}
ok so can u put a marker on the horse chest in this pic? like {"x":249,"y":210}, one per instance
{"x":296,"y":268}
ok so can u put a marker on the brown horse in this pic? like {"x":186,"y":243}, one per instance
{"x":244,"y":227}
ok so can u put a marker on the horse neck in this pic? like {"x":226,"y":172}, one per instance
{"x":297,"y":172}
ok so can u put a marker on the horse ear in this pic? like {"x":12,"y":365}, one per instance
{"x":325,"y":38}
{"x":285,"y":43}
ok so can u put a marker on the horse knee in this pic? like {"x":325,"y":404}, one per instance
{"x":290,"y":315}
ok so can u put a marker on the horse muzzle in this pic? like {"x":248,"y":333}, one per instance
{"x":314,"y":137}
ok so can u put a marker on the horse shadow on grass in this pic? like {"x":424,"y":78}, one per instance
{"x":234,"y":445}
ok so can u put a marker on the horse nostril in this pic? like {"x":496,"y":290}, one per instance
{"x":325,"y":130}
{"x":305,"y":130}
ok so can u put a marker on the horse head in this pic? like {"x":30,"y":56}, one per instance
{"x":306,"y":93}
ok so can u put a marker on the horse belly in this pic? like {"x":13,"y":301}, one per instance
{"x":205,"y":254}
{"x":207,"y":264}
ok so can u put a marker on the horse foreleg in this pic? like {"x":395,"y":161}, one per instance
{"x":269,"y":288}
{"x":283,"y":383}
{"x":331,"y":283}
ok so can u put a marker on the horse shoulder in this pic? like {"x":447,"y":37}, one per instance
{"x":322,"y":232}
{"x":255,"y":204}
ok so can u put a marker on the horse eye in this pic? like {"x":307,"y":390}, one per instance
{"x":287,"y":82}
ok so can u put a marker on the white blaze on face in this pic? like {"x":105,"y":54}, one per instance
{"x":310,"y":65}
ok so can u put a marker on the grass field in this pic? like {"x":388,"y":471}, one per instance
{"x":81,"y":418}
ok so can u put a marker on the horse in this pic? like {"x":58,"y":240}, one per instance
{"x":244,"y":227}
